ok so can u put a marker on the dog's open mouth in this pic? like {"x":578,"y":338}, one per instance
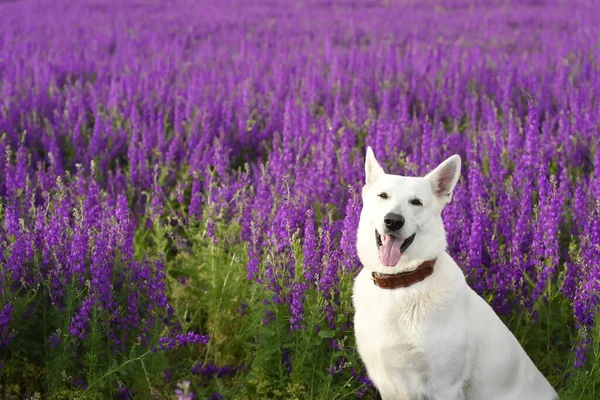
{"x":391,"y":248}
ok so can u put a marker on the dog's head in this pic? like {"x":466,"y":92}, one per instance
{"x":401,"y":221}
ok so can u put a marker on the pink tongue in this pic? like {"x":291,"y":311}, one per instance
{"x":389,"y":252}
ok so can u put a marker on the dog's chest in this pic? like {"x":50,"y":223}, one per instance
{"x":390,"y":336}
{"x":391,"y":352}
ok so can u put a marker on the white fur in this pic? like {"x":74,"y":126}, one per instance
{"x":436,"y":339}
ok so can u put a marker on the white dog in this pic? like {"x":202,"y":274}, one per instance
{"x":422,"y":332}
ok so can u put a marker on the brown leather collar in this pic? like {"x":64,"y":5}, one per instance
{"x":404,"y":279}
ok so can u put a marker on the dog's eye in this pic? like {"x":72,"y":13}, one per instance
{"x":383,"y":195}
{"x":416,"y":202}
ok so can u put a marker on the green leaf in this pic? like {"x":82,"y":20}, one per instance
{"x":327,"y":334}
{"x":338,"y":354}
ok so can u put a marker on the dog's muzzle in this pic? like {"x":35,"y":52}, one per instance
{"x":391,"y":247}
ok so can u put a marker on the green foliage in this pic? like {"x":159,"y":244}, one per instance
{"x":209,"y":289}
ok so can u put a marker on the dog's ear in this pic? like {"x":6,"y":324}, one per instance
{"x":443,"y":179}
{"x":373,"y":170}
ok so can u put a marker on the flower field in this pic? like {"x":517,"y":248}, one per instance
{"x":180,"y":185}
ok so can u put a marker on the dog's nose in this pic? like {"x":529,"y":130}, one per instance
{"x":393,"y":222}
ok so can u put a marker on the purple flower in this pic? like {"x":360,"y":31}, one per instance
{"x":167,"y":375}
{"x":54,"y":339}
{"x":156,"y":201}
{"x":363,"y":379}
{"x":195,"y":209}
{"x":253,"y":254}
{"x":79,"y":321}
{"x":184,"y":393}
{"x":286,"y":360}
{"x":337,"y":367}
{"x":477,"y":232}
{"x":180,"y":340}
{"x":269,"y":316}
{"x":297,"y":305}
{"x":329,"y":275}
{"x":546,"y":239}
{"x":80,"y":383}
{"x":124,"y":392}
{"x":243,"y":309}
{"x":309,"y":249}
{"x":348,"y":240}
{"x":6,"y":315}
{"x":213,"y":371}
